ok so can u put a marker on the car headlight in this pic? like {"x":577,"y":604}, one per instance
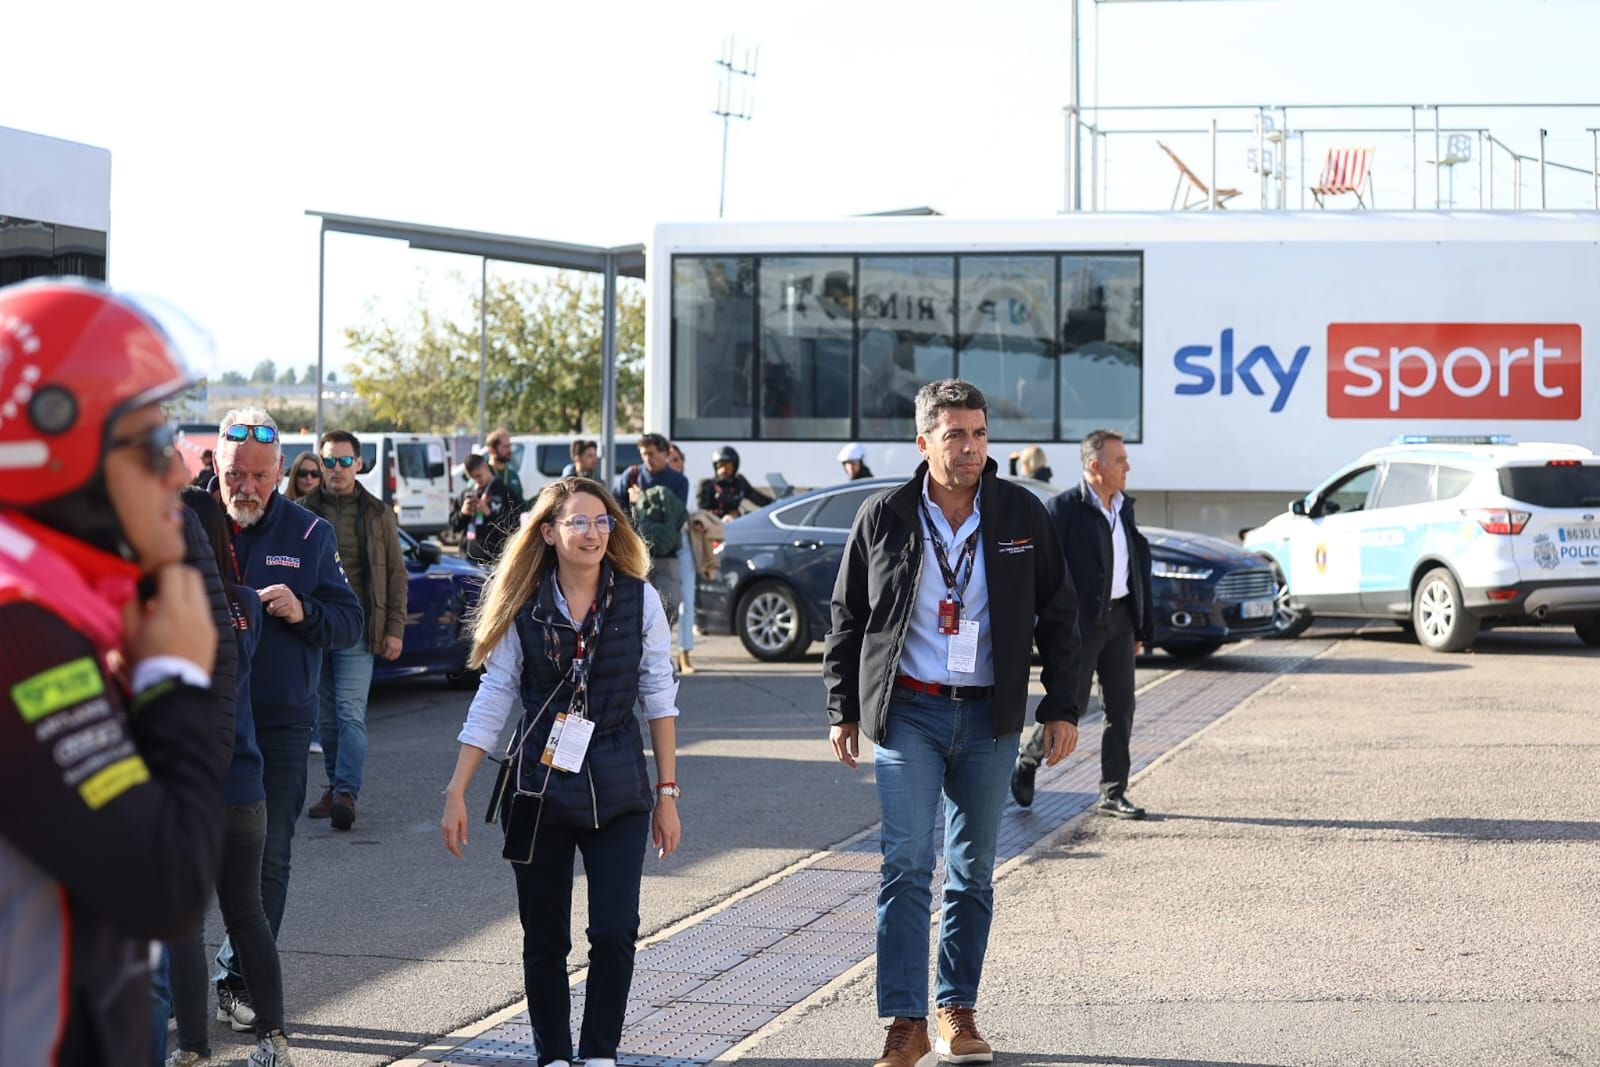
{"x":1162,"y":569}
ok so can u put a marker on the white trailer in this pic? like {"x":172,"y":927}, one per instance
{"x":55,"y":207}
{"x":1243,"y":355}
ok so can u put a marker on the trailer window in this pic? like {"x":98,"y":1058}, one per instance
{"x":713,"y":346}
{"x":1008,"y":343}
{"x":907,"y":337}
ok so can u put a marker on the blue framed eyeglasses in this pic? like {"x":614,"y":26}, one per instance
{"x":580,"y":524}
{"x":240,"y":431}
{"x":338,"y":461}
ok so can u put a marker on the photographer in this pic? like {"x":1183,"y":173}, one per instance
{"x":486,"y":514}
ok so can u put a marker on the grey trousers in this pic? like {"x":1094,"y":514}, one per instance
{"x":668,"y":580}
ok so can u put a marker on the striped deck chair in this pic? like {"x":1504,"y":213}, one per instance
{"x":1193,"y":192}
{"x":1346,"y":171}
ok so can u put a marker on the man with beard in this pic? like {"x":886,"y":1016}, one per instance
{"x":290,"y":557}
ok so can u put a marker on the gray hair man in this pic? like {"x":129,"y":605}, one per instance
{"x":946,"y":584}
{"x":1109,"y":560}
{"x":291,"y":558}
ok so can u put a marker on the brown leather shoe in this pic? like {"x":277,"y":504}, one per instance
{"x":684,"y":666}
{"x":322,"y":808}
{"x":959,"y":1041}
{"x":343,"y":812}
{"x":906,"y":1044}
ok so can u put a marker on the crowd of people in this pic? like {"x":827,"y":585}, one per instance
{"x":175,"y":645}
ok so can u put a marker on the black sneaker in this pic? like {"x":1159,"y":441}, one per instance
{"x":1022,"y":783}
{"x":233,"y":1008}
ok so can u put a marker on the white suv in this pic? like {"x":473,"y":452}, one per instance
{"x":1446,"y":536}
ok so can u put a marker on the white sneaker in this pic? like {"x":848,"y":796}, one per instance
{"x":316,"y":748}
{"x":181,"y":1058}
{"x":234,"y":1010}
{"x":272,"y":1052}
{"x":599,"y":1063}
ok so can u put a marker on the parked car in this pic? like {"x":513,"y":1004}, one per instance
{"x":777,"y":566}
{"x":1445,"y":536}
{"x":440,"y":591}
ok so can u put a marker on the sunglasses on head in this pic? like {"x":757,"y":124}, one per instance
{"x":342,"y":461}
{"x":158,"y":445}
{"x":240,"y":431}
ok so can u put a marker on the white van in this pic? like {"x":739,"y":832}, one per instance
{"x":411,"y":472}
{"x":540,"y":458}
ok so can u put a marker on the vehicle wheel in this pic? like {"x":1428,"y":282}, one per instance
{"x":1196,"y":650}
{"x":772,"y":623}
{"x":1588,"y":630}
{"x":1287,"y":620}
{"x":1442,"y":621}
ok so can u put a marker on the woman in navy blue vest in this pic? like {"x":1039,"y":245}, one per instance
{"x":569,"y":629}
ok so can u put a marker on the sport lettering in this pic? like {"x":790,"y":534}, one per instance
{"x":1502,"y":371}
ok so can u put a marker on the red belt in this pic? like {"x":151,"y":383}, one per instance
{"x":954,"y":692}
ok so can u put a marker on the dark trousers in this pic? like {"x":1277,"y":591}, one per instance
{"x":1108,"y":654}
{"x":284,"y":750}
{"x":239,"y":897}
{"x":613,"y":862}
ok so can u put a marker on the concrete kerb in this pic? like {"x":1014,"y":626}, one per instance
{"x":1061,"y":833}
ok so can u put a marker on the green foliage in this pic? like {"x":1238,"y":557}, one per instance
{"x":232,"y":377}
{"x":544,"y":341}
{"x":288,"y":377}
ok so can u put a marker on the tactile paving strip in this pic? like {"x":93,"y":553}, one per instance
{"x":704,"y":989}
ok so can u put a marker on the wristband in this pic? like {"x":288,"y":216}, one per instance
{"x":668,"y":789}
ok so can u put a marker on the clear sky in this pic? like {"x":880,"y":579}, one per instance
{"x":592,"y":122}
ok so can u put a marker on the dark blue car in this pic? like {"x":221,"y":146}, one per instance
{"x":777,"y":565}
{"x":440,"y":591}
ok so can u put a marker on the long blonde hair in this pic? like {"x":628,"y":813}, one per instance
{"x":293,"y":492}
{"x":515,"y":579}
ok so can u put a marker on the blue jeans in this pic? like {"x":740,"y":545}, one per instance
{"x":686,"y":576}
{"x":284,"y":751}
{"x":934,"y":749}
{"x":342,"y":715}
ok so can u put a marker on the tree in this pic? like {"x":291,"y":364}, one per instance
{"x":310,"y":376}
{"x":544,"y":347}
{"x":232,"y":377}
{"x":331,"y":378}
{"x":288,"y":377}
{"x":266,"y":372}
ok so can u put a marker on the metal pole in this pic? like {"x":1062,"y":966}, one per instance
{"x":1413,"y":157}
{"x":322,"y":259}
{"x":722,"y":189}
{"x":1094,"y":169}
{"x":1212,"y":196}
{"x":608,"y":373}
{"x":1075,"y":105}
{"x":1480,"y":170}
{"x":1066,"y":166}
{"x":1542,"y":134}
{"x":1489,"y":151}
{"x":483,"y":348}
{"x":1516,"y":181}
{"x":1302,"y":172}
{"x":1261,"y":154}
{"x":1439,"y":189}
{"x":1594,"y":136}
{"x":1283,"y":159}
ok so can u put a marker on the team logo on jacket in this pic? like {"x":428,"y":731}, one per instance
{"x":284,"y":561}
{"x":1545,"y":552}
{"x":1015,"y":545}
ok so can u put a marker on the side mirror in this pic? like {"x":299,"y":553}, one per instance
{"x":428,"y":552}
{"x":1298,"y":505}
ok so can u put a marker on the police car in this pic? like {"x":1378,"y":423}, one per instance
{"x":1445,"y":535}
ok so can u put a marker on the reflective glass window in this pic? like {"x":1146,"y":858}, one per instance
{"x":1406,"y":483}
{"x":713,"y":347}
{"x":27,"y":249}
{"x":1349,"y":493}
{"x":80,"y":252}
{"x":1451,"y":482}
{"x":838,"y":511}
{"x":807,"y":331}
{"x":907,"y":338}
{"x":1008,"y":346}
{"x":1102,"y":345}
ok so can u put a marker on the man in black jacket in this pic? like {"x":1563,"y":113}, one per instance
{"x":487,"y":514}
{"x":1110,"y":563}
{"x":946,"y":583}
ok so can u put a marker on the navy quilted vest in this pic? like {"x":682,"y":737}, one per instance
{"x":614,"y":780}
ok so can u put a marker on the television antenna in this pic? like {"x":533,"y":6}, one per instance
{"x":738,"y":73}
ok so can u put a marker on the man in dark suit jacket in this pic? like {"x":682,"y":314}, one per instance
{"x":1109,"y":560}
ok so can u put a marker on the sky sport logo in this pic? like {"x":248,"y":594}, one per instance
{"x":1500,"y":371}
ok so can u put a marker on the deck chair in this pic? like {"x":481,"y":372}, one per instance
{"x":1346,"y":171}
{"x":1191,"y":190}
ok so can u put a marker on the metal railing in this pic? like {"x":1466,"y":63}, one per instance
{"x":1474,"y":133}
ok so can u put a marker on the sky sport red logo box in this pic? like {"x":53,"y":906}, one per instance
{"x":1455,"y":370}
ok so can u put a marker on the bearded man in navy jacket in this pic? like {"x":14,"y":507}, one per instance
{"x":291,"y":558}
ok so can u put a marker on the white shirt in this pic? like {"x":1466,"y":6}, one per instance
{"x":1119,"y":541}
{"x":926,"y":656}
{"x":500,"y":691}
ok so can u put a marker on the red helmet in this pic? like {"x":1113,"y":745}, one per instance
{"x":73,"y":358}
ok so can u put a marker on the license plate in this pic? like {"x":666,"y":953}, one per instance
{"x":1578,"y":533}
{"x":1257,"y":609}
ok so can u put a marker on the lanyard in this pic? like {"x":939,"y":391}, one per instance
{"x":588,"y":642}
{"x":964,"y":562}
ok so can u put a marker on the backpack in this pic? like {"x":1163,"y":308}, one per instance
{"x":659,"y":516}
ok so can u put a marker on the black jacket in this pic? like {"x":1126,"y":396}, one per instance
{"x":1030,"y":600}
{"x":499,"y":521}
{"x":723,"y":497}
{"x":1084,"y":533}
{"x":225,"y":670}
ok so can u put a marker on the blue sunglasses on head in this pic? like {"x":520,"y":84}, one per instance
{"x":240,"y":431}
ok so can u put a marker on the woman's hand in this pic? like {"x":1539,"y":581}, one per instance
{"x":453,"y":824}
{"x":665,"y":830}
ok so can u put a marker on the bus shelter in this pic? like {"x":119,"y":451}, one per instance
{"x":609,"y":263}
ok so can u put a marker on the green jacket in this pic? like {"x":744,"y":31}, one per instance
{"x":659,"y":516}
{"x":386,"y":564}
